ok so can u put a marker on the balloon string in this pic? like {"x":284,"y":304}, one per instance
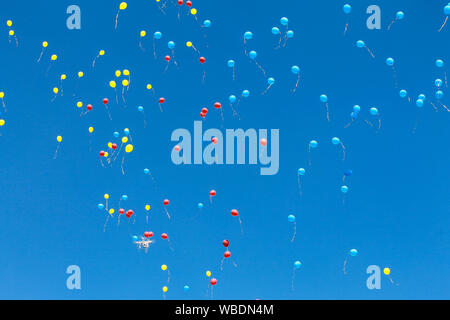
{"x":40,"y":56}
{"x":119,"y":221}
{"x":368,"y":122}
{"x":123,"y":160}
{"x":446,"y":18}
{"x":345,"y":265}
{"x":346,"y":27}
{"x":260,"y":68}
{"x":328,"y":111}
{"x":117,"y":18}
{"x":240,"y":222}
{"x":343,"y":151}
{"x":295,"y":232}
{"x":107,"y":109}
{"x":106,"y":222}
{"x":154,"y":48}
{"x":309,"y":154}
{"x":379,"y":122}
{"x":221,"y":264}
{"x":444,"y":106}
{"x":434,"y":107}
{"x":390,"y":25}
{"x":445,"y":76}
{"x":296,"y":84}
{"x":93,"y":62}
{"x":233,"y":72}
{"x":370,"y":52}
{"x":56,"y":152}
{"x":293,"y":279}
{"x":348,"y":124}
{"x":392,"y":281}
{"x":395,"y":77}
{"x":267,"y":89}
{"x":167,"y":212}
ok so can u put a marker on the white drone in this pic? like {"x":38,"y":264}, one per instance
{"x":144,"y":243}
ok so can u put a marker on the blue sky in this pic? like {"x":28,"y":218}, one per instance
{"x":397,"y":210}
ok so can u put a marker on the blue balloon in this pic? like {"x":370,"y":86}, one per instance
{"x":390,"y":61}
{"x":356,"y":108}
{"x":284,"y":21}
{"x":186,"y":288}
{"x":135,"y":238}
{"x":231,"y":63}
{"x":171,"y":44}
{"x":245,"y":93}
{"x":373,"y":111}
{"x":140,"y":108}
{"x":313,"y":144}
{"x":323,"y":98}
{"x":101,"y":206}
{"x":353,"y":252}
{"x":295,"y":69}
{"x":291,"y":218}
{"x":439,"y":63}
{"x":232,"y":98}
{"x":207,"y":23}
{"x":360,"y":44}
{"x":438,"y":82}
{"x":301,"y":171}
{"x":157,"y":35}
{"x":354,"y":115}
{"x":439,"y":94}
{"x":348,"y":173}
{"x":422,"y":97}
{"x":419,"y":103}
{"x":248,"y":35}
{"x":275,"y":30}
{"x":290,"y":34}
{"x":347,"y":8}
{"x":271,"y":81}
{"x":335,"y":141}
{"x":200,"y":205}
{"x":124,"y":197}
{"x":447,"y":10}
{"x":403,"y":93}
{"x":146,"y":171}
{"x":116,"y":134}
{"x":126,"y":131}
{"x":297,"y":264}
{"x":344,"y":189}
{"x":252,"y":54}
{"x":400,"y":15}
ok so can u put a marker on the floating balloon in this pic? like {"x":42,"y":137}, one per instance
{"x":291,"y":219}
{"x":296,"y":70}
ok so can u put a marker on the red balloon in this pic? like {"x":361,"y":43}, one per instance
{"x":202,"y":114}
{"x":188,"y":3}
{"x":105,"y":101}
{"x":263,"y":142}
{"x":114,"y":146}
{"x":226,"y":243}
{"x":205,"y":110}
{"x":121,"y":211}
{"x":89,"y":107}
{"x":217,"y":105}
{"x":212,"y":193}
{"x":164,"y":236}
{"x":129,"y":213}
{"x":166,"y":202}
{"x":177,"y":148}
{"x":102,"y":153}
{"x":202,"y":60}
{"x":161,"y":100}
{"x":234,"y":213}
{"x":148,"y":234}
{"x":227,"y":254}
{"x":213,"y":281}
{"x":215,"y":140}
{"x":180,"y":2}
{"x":167,"y":58}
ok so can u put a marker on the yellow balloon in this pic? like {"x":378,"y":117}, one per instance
{"x":45,"y":44}
{"x":147,"y":207}
{"x":54,"y":57}
{"x":123,"y":6}
{"x":63,"y":77}
{"x":110,"y":145}
{"x":102,"y":52}
{"x":11,"y":32}
{"x":111,"y":211}
{"x":9,"y":23}
{"x":165,"y":289}
{"x":91,"y":129}
{"x":2,"y":122}
{"x":387,"y":271}
{"x":143,"y":33}
{"x":188,"y":44}
{"x":106,"y":154}
{"x":79,"y":104}
{"x":124,"y":140}
{"x":80,"y":74}
{"x":59,"y":138}
{"x":149,"y":86}
{"x":55,"y":90}
{"x":163,"y":267}
{"x":193,"y":11}
{"x":106,"y":196}
{"x":2,"y":95}
{"x":112,"y":84}
{"x":125,"y":83}
{"x":118,"y":73}
{"x":126,"y":72}
{"x":129,"y":148}
{"x":208,"y":273}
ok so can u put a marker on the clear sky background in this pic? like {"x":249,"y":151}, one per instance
{"x":397,"y":210}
